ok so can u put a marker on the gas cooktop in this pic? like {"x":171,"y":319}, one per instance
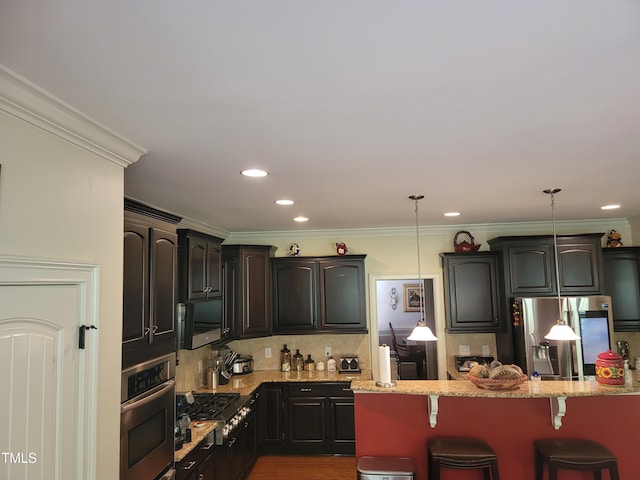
{"x":208,"y":406}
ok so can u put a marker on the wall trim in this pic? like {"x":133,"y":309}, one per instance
{"x":490,"y":229}
{"x":30,"y":103}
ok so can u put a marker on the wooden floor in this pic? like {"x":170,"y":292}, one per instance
{"x":291,"y":467}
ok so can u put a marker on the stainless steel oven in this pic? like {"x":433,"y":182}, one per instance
{"x":147,"y":414}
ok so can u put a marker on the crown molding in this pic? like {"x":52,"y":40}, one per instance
{"x":26,"y":101}
{"x":488,"y":229}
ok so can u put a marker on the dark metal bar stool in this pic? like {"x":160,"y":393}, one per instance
{"x":462,"y":453}
{"x":574,"y":454}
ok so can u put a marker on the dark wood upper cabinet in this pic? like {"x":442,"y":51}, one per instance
{"x":150,"y":290}
{"x":472,"y":284}
{"x":247,"y":271}
{"x":200,"y":265}
{"x":319,"y":294}
{"x":529,"y":262}
{"x":621,"y":268}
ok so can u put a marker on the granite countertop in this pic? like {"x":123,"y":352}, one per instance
{"x":247,"y":383}
{"x":198,"y":434}
{"x":529,"y":389}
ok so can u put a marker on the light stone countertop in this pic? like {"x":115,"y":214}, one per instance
{"x":464,"y":388}
{"x":247,"y":383}
{"x":556,"y":391}
{"x":198,"y":434}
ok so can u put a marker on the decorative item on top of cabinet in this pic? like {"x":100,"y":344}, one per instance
{"x":472,"y":289}
{"x":465,"y":246}
{"x":319,"y":294}
{"x":614,"y":239}
{"x":621,"y":268}
{"x":247,"y":290}
{"x":200,"y":267}
{"x":150,"y":290}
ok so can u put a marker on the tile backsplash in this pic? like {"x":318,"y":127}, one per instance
{"x":188,"y":376}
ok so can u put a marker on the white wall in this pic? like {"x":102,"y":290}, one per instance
{"x":58,"y":201}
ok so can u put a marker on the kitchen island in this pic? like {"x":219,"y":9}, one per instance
{"x":398,"y":421}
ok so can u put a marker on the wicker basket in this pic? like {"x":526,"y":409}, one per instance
{"x":496,"y":383}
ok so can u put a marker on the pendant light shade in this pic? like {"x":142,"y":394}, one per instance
{"x":560,"y":331}
{"x":421,"y":332}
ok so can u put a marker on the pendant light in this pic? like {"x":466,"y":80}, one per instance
{"x":561,"y":330}
{"x":421,"y":332}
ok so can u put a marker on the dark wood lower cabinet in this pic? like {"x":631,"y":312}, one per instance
{"x":307,"y":418}
{"x":200,"y":463}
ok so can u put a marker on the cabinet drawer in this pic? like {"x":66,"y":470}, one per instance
{"x":322,"y":389}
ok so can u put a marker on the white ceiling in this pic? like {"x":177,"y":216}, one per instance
{"x":352,"y":105}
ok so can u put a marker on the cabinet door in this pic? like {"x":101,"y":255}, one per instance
{"x":231,"y":295}
{"x":213,"y":269}
{"x":294,"y":287}
{"x":472,"y":291}
{"x":135,"y":315}
{"x":196,"y":268}
{"x":621,"y":268}
{"x":307,"y":422}
{"x":271,"y":428}
{"x":578,"y":266}
{"x":256,"y":298}
{"x":342,"y":435}
{"x":342,"y":304}
{"x":532,"y":270}
{"x":207,"y":468}
{"x":164,"y":288}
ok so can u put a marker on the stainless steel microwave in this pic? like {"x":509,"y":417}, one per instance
{"x":199,"y":323}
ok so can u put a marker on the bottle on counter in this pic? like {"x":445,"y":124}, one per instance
{"x":320,"y":365}
{"x":298,"y":361}
{"x":628,"y":377}
{"x":285,"y":359}
{"x":331,"y":364}
{"x":309,"y":364}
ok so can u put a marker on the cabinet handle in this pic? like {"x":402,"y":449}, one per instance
{"x":346,"y":389}
{"x":233,"y":440}
{"x":189,"y":466}
{"x":146,"y":331}
{"x":155,"y":328}
{"x":305,"y":389}
{"x":201,"y":476}
{"x":207,"y":446}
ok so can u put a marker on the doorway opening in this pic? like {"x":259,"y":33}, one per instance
{"x":394,"y":312}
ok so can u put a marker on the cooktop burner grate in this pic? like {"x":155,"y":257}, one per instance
{"x":210,"y":406}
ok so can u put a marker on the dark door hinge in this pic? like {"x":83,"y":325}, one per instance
{"x":82,"y":330}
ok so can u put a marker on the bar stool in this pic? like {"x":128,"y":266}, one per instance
{"x":574,"y":454}
{"x":462,"y":453}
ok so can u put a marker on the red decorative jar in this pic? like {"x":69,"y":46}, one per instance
{"x":610,"y":369}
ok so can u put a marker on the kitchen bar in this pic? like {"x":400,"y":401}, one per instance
{"x":414,"y":411}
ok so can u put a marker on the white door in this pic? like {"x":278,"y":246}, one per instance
{"x":45,"y":394}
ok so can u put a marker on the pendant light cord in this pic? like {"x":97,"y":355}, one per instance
{"x":555,"y":246}
{"x":415,"y":198}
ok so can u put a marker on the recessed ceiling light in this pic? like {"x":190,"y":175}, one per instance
{"x":254,"y":172}
{"x":284,"y":202}
{"x":452,"y":214}
{"x":610,"y":207}
{"x":301,"y":219}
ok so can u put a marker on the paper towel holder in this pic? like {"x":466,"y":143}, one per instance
{"x":380,"y":383}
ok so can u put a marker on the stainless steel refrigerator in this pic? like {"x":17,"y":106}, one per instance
{"x":590,"y":317}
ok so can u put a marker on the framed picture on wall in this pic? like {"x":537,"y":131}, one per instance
{"x":412,"y":298}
